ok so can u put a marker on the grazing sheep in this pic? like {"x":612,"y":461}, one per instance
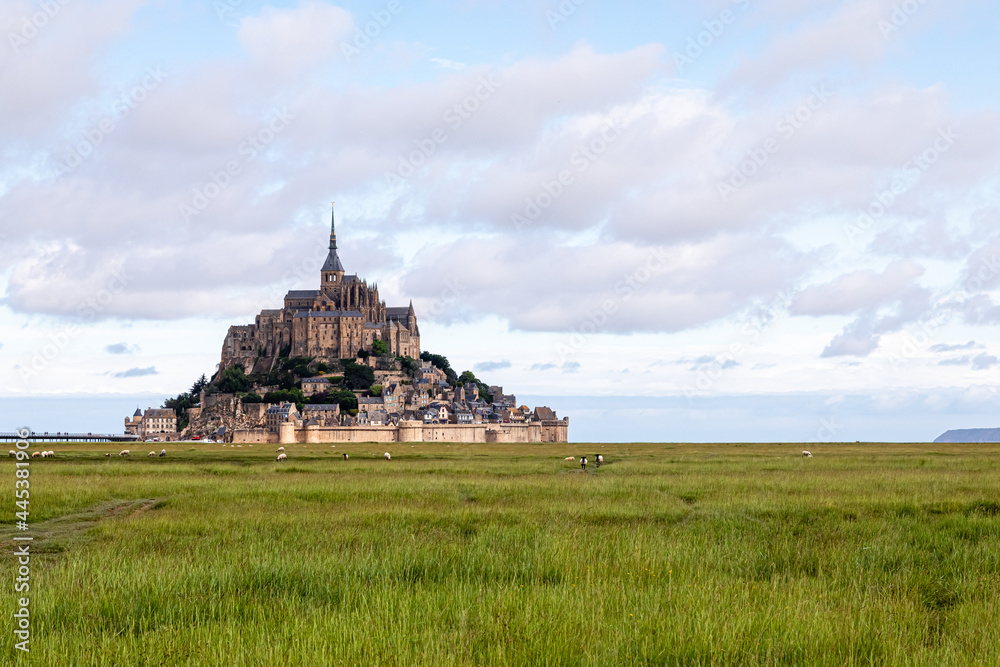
{"x":570,"y":458}
{"x":583,"y":462}
{"x":35,"y":454}
{"x":124,"y":452}
{"x":281,"y":449}
{"x":345,"y":456}
{"x":163,"y":452}
{"x":807,"y":454}
{"x":107,"y":455}
{"x":599,"y":459}
{"x":388,"y":457}
{"x":151,"y":454}
{"x":12,"y":453}
{"x":45,"y":455}
{"x":51,"y":453}
{"x":282,"y":456}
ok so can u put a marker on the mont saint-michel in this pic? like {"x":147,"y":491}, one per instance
{"x":336,"y":364}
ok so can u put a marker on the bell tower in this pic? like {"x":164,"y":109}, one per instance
{"x":332,"y":274}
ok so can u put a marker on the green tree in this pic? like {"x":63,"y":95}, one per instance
{"x":376,"y":390}
{"x":233,"y":380}
{"x":380,"y":348}
{"x":442,"y":363}
{"x":199,"y":384}
{"x":345,"y":399}
{"x":359,"y":377}
{"x":286,"y":396}
{"x":409,"y":365}
{"x":250,"y":397}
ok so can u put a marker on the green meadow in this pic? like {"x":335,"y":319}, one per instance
{"x":864,"y":554}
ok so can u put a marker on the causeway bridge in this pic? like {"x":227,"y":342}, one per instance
{"x":69,"y":437}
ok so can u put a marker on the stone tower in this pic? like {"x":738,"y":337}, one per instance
{"x":333,"y":271}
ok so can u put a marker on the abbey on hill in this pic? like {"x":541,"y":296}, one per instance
{"x":337,"y":321}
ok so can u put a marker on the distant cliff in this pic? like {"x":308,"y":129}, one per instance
{"x":971,"y":435}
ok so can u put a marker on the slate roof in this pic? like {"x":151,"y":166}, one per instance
{"x":332,"y":262}
{"x":397,"y":313}
{"x":321,"y":407}
{"x":302,"y":294}
{"x":328,"y":313}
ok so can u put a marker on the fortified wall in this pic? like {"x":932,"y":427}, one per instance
{"x":289,"y":433}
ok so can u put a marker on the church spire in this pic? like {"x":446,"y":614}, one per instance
{"x":333,"y":229}
{"x":332,"y":260}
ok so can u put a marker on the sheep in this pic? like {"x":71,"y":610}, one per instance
{"x":107,"y":456}
{"x":388,"y":457}
{"x":583,"y":462}
{"x":282,"y":456}
{"x":570,"y":458}
{"x":807,"y":454}
{"x":151,"y":454}
{"x":345,"y":456}
{"x":12,"y":453}
{"x":599,"y":459}
{"x":281,"y":449}
{"x":51,"y":453}
{"x":124,"y":452}
{"x":163,"y":452}
{"x":45,"y":455}
{"x":35,"y":454}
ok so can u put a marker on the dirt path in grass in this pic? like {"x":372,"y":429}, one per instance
{"x":58,"y":534}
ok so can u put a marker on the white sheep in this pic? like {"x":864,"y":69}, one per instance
{"x":282,"y":457}
{"x":807,"y":454}
{"x":107,"y":455}
{"x":583,"y":462}
{"x":570,"y":458}
{"x":35,"y":454}
{"x":151,"y":454}
{"x":12,"y":453}
{"x":388,"y":457}
{"x":345,"y":456}
{"x":124,"y":452}
{"x":51,"y":453}
{"x":163,"y":452}
{"x":45,"y":455}
{"x":600,"y":460}
{"x":281,"y":449}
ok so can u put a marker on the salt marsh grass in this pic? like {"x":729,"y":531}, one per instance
{"x":508,"y":555}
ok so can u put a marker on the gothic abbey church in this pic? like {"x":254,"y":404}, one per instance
{"x":336,"y":321}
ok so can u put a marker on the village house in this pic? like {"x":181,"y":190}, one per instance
{"x":312,"y":386}
{"x":276,"y":415}
{"x":325,"y":414}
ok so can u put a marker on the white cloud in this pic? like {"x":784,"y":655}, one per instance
{"x":287,"y":41}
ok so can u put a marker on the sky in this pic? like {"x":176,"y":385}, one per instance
{"x":753,"y":219}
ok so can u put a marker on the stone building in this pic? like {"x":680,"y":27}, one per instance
{"x":344,"y":316}
{"x":153,"y":423}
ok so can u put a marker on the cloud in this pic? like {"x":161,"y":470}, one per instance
{"x":487,"y":366}
{"x":957,"y":361}
{"x":289,"y":40}
{"x":982,"y":362}
{"x":856,"y":340}
{"x":572,"y":367}
{"x":136,"y":372}
{"x":611,"y":287}
{"x":542,"y":367}
{"x":121,"y":348}
{"x":941,"y":347}
{"x":856,"y":291}
{"x":444,"y":63}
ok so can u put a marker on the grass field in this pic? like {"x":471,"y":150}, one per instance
{"x":508,"y":555}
